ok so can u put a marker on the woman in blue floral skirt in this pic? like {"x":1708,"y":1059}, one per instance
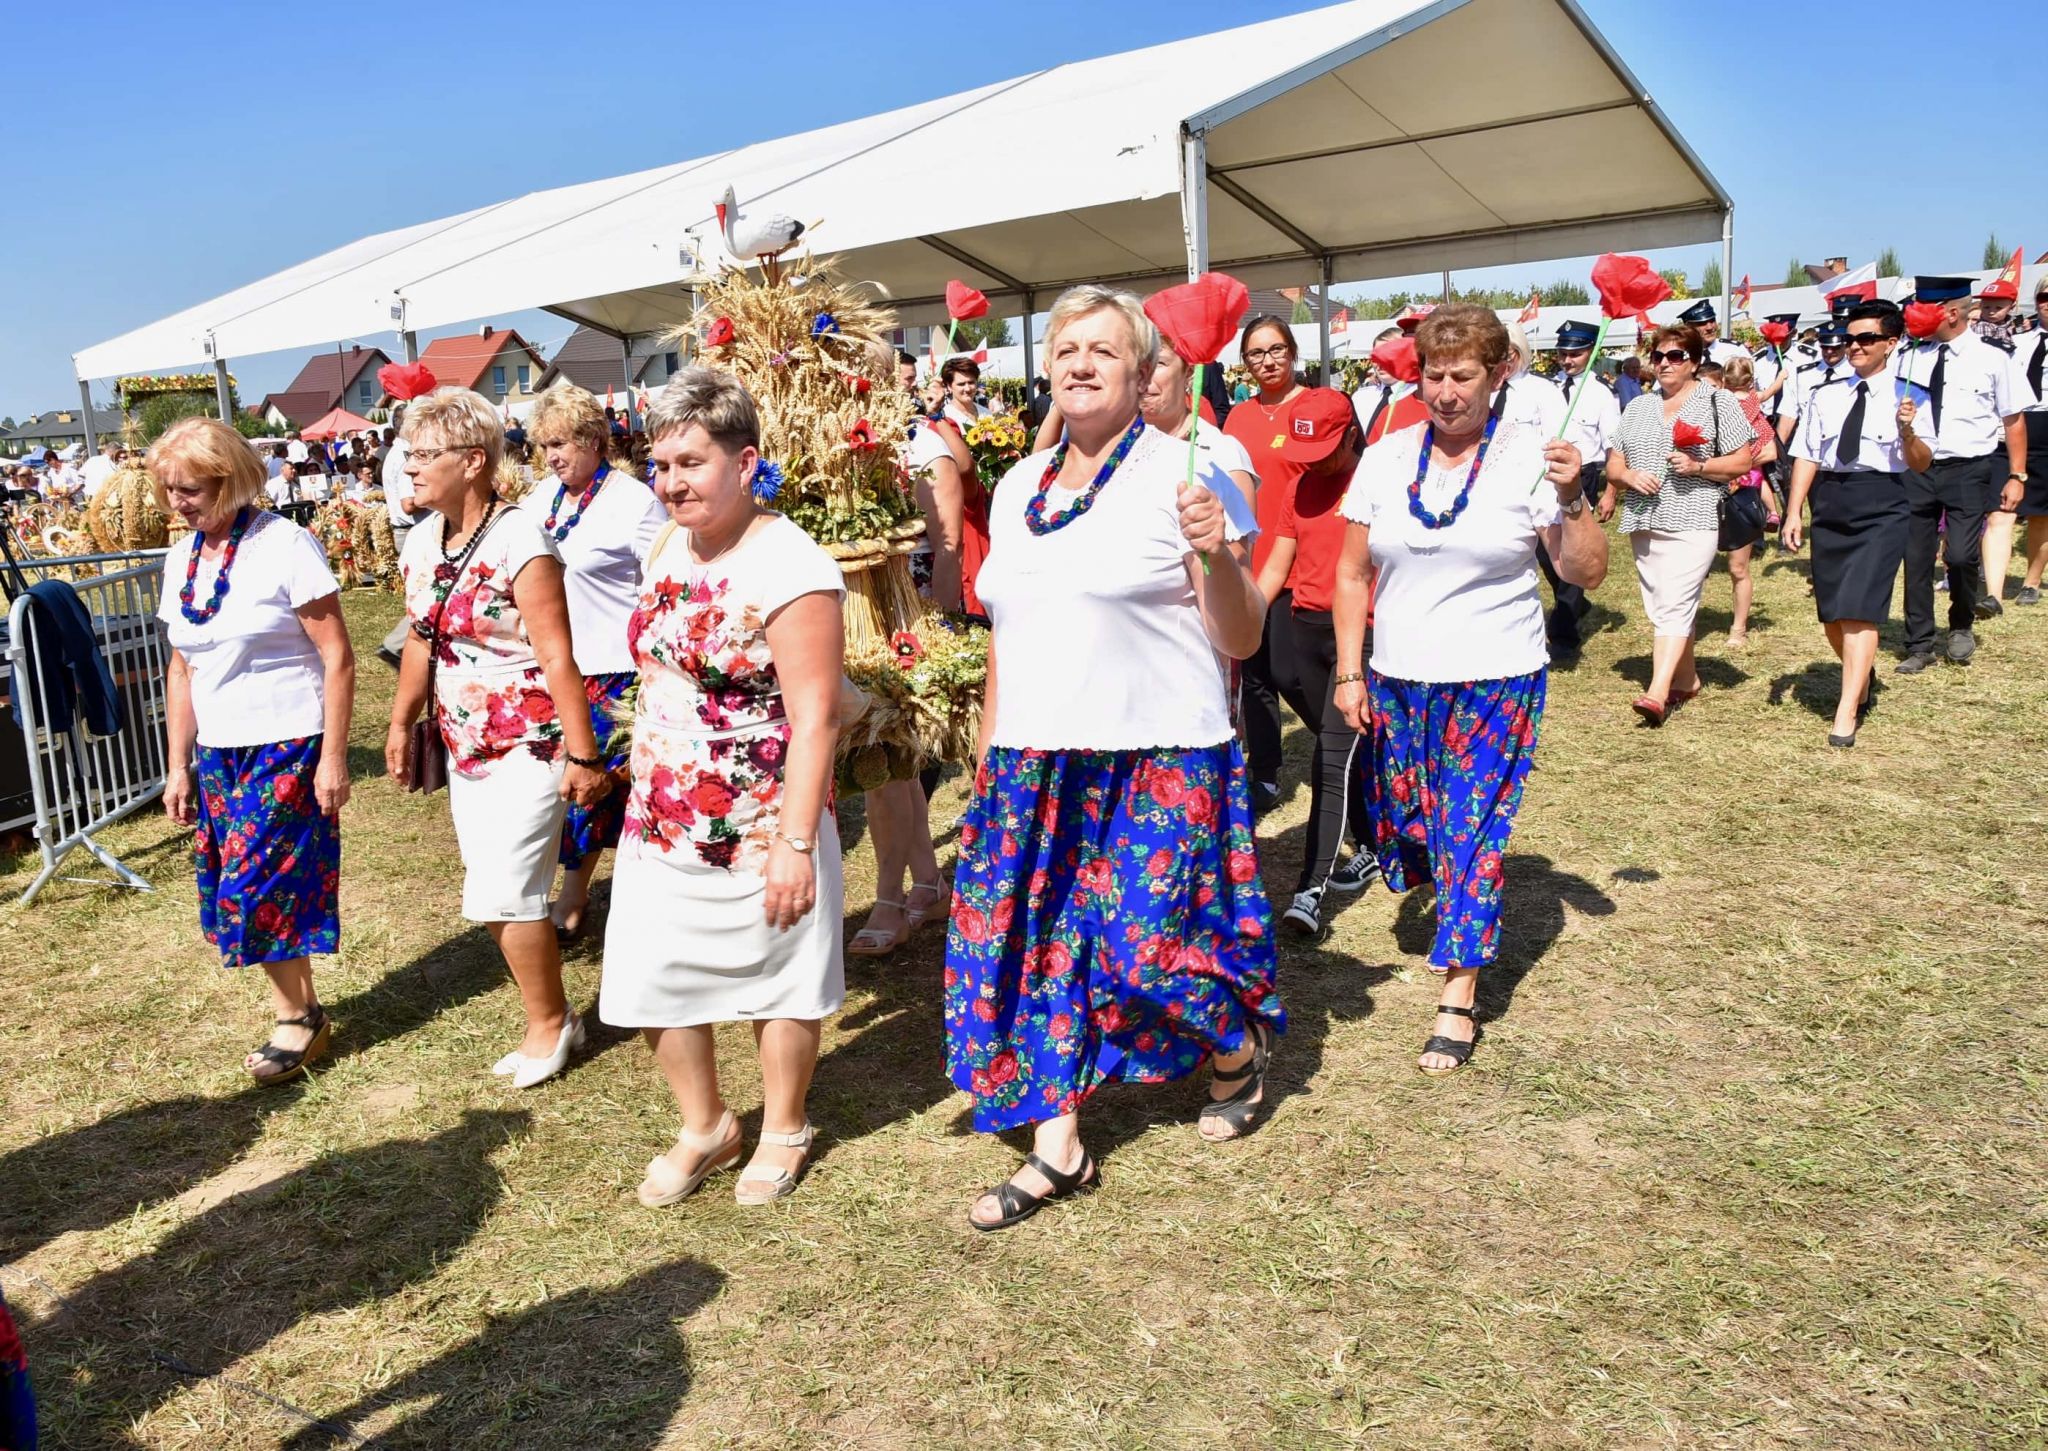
{"x":259,"y":691}
{"x":1108,"y":919}
{"x":1449,"y":516}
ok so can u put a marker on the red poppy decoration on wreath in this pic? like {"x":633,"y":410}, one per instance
{"x":1396,"y":358}
{"x":909,"y":649}
{"x":861,"y":437}
{"x":964,"y":302}
{"x":1686,"y":435}
{"x":1777,"y":334}
{"x":720,"y":334}
{"x":407,"y":380}
{"x":1197,"y":318}
{"x":1922,"y":318}
{"x":857,"y":383}
{"x":1628,"y":286}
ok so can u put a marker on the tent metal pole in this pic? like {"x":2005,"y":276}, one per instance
{"x":412,"y":346}
{"x":221,"y":391}
{"x":626,"y":371}
{"x":1030,"y":311}
{"x":1323,"y":324}
{"x":92,"y":437}
{"x":1727,"y":268}
{"x":1194,"y":200}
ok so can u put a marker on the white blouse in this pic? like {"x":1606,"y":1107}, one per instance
{"x":256,"y":677}
{"x":601,"y":563}
{"x":1821,"y":425}
{"x":1099,"y":643}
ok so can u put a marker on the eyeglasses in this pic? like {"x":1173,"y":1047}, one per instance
{"x":1865,"y":340}
{"x":1268,"y":355}
{"x":1673,"y":356}
{"x":428,"y":455}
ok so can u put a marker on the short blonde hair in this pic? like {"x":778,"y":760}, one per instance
{"x":574,"y":410}
{"x":206,"y":448}
{"x":1458,"y":331}
{"x":717,"y":401}
{"x":1739,"y":374}
{"x":456,"y":418}
{"x":1092,"y":297}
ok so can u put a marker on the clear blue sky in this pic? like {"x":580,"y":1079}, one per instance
{"x":159,"y":154}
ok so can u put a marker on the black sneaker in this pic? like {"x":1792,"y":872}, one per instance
{"x":2028,"y":595}
{"x":1355,"y":875}
{"x":1961,"y":646}
{"x":1304,"y":916}
{"x":1989,"y":608}
{"x":390,"y":656}
{"x":1265,"y":796}
{"x":1914,"y":663}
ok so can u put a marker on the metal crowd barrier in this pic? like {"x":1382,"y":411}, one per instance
{"x":78,"y":783}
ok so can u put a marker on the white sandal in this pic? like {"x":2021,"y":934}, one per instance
{"x":665,"y":1183}
{"x":879,"y":941}
{"x":939,"y":908}
{"x":774,"y":1181}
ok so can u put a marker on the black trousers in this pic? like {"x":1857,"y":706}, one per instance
{"x":1336,"y":809}
{"x":1266,"y":675}
{"x":1965,"y":489}
{"x":1562,"y":623}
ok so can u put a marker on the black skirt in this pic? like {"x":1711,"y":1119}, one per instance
{"x":2034,"y":503}
{"x":1859,"y":542}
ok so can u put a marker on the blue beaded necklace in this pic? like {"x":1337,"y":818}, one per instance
{"x":200,"y":616}
{"x":1443,"y":519}
{"x":1034,"y":512}
{"x":561,"y":531}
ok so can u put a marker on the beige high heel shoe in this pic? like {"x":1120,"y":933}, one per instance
{"x":665,"y":1183}
{"x":936,"y":910}
{"x":772,"y":1182}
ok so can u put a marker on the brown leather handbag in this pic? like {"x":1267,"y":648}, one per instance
{"x":429,"y":755}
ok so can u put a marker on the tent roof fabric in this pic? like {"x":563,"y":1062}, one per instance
{"x":336,"y":421}
{"x":1386,"y":136}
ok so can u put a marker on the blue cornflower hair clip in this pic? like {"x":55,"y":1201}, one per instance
{"x":824,"y":323}
{"x":767,"y":481}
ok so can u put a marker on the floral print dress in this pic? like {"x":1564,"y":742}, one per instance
{"x":687,"y":941}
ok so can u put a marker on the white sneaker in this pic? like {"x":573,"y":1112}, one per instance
{"x":533,"y":1071}
{"x":1305,"y":915}
{"x":1355,"y":875}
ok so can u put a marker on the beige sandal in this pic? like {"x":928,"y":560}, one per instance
{"x":665,"y":1183}
{"x":937,"y":910}
{"x":774,"y":1182}
{"x":879,"y":941}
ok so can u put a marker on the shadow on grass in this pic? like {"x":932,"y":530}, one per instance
{"x":611,"y":1363}
{"x":344,"y":1231}
{"x":1816,"y":688}
{"x":1715,"y":673}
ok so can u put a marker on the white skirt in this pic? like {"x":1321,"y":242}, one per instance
{"x":689,"y":944}
{"x":1672,"y":570}
{"x":509,"y":826}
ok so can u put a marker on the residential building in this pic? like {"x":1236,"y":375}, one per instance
{"x":594,"y":362}
{"x":497,"y":363}
{"x":344,"y":378}
{"x":59,"y":428}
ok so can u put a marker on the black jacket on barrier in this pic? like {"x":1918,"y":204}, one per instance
{"x":73,"y":675}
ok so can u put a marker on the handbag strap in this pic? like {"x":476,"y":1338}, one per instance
{"x":491,"y":516}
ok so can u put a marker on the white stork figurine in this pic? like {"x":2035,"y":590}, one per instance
{"x":756,"y":238}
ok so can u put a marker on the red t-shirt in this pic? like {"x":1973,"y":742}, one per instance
{"x":1311,"y":520}
{"x":1262,"y":437}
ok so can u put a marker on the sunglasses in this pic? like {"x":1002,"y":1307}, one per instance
{"x":1865,"y":340}
{"x":1673,"y":356}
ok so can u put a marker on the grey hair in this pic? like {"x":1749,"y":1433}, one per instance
{"x":457,"y":418}
{"x":1091,"y":297}
{"x":716,"y":400}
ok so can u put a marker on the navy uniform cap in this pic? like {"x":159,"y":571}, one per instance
{"x":1833,"y":335}
{"x":1576,"y":335}
{"x":1841,"y":302}
{"x":1940,"y":289}
{"x":1790,"y":319}
{"x":1699,"y":312}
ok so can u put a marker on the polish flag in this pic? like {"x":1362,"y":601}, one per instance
{"x":1861,"y":283}
{"x":1529,"y":309}
{"x":1742,"y":293}
{"x":980,"y":355}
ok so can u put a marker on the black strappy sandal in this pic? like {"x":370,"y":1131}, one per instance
{"x":1020,"y":1204}
{"x":292,"y":1063}
{"x":1459,"y":1052}
{"x":1240,"y":1111}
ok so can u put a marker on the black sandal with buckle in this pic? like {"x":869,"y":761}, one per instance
{"x":1020,"y":1204}
{"x":1241,"y":1110}
{"x":292,"y":1062}
{"x":1459,"y":1052}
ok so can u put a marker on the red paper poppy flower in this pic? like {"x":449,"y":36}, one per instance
{"x":1685,"y":435}
{"x":909,"y":649}
{"x":861,"y":437}
{"x":857,"y":383}
{"x":1396,"y":358}
{"x":964,"y":302}
{"x":1922,"y":318}
{"x":1197,"y":318}
{"x":1628,"y":286}
{"x":720,"y":334}
{"x":1777,"y":334}
{"x":407,"y":380}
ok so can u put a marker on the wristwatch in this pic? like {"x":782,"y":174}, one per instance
{"x":1576,"y":507}
{"x":803,"y":846}
{"x":2021,"y":477}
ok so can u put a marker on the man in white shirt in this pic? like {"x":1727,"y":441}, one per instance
{"x":1377,"y":395}
{"x":295,"y":449}
{"x":1702,"y":316}
{"x":101,"y":466}
{"x":1973,"y":420}
{"x":61,"y":479}
{"x":398,"y":505}
{"x":1831,"y":342}
{"x":1592,"y":429}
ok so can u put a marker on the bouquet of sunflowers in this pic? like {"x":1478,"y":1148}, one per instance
{"x":997,"y":440}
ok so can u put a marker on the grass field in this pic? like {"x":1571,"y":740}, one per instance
{"x":1753,"y":1154}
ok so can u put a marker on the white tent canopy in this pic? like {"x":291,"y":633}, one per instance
{"x":1481,"y":131}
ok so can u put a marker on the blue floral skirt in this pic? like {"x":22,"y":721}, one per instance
{"x":269,"y":860}
{"x":588,"y":830}
{"x":1109,"y":924}
{"x":1448,"y":766}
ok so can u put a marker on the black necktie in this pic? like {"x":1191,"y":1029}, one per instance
{"x":2034,"y":368}
{"x":1934,"y":382}
{"x":1851,"y":442}
{"x":1379,"y":411}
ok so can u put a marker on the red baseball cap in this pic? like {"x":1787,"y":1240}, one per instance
{"x":1321,"y":419}
{"x":1999,"y":287}
{"x":1412,"y":319}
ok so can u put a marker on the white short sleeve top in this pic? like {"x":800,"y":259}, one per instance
{"x":256,"y":678}
{"x":601,"y":553}
{"x":1458,"y":603}
{"x":1099,"y":643}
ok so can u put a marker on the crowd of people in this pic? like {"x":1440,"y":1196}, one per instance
{"x":1374,"y":563}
